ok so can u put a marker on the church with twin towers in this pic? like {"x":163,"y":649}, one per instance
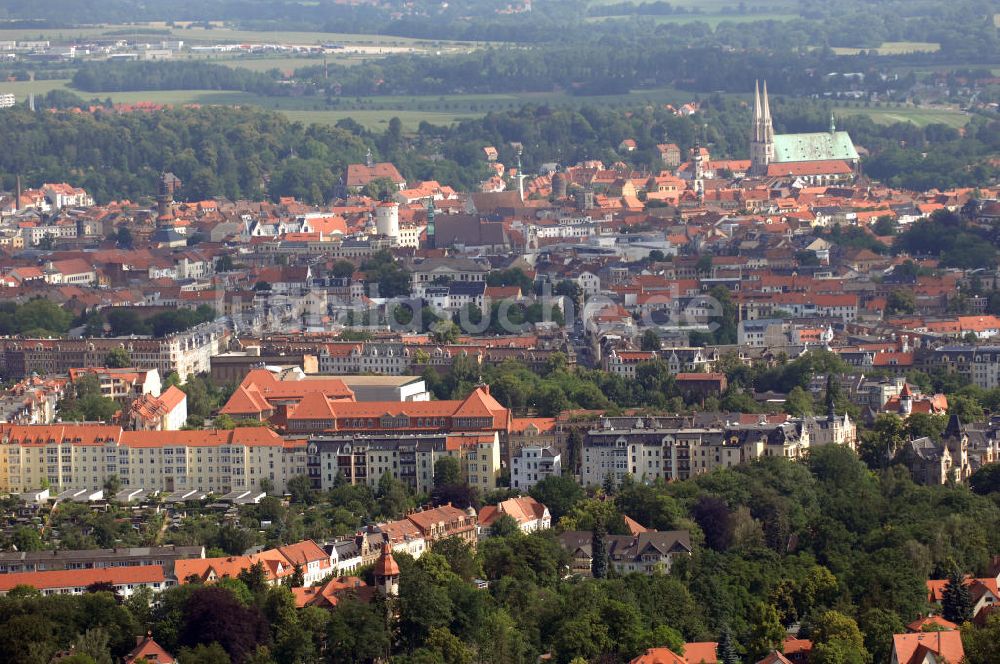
{"x":819,"y":157}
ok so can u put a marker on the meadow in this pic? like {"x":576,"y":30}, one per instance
{"x":918,"y":116}
{"x":893,"y":48}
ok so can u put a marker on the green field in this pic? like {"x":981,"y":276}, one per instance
{"x":893,"y":48}
{"x":222,"y":35}
{"x":712,"y":20}
{"x":918,"y":116}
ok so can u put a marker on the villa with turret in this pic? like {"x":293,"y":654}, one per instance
{"x":825,"y":157}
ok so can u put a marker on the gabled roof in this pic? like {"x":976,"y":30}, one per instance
{"x":914,"y":648}
{"x":148,"y":649}
{"x":931,"y":623}
{"x":701,"y":652}
{"x":328,"y":595}
{"x":659,"y":656}
{"x":523,"y":509}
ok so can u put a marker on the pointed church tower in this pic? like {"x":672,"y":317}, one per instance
{"x":762,"y":139}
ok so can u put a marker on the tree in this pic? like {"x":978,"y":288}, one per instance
{"x":766,"y":632}
{"x":444,"y":332}
{"x":560,"y":493}
{"x":446,"y":647}
{"x":460,"y":557}
{"x":505,"y":526}
{"x":424,"y":604}
{"x":956,"y":603}
{"x":118,"y":358}
{"x":26,"y":538}
{"x":986,"y":480}
{"x":900,"y":302}
{"x":356,"y":633}
{"x":123,"y":237}
{"x":650,"y":341}
{"x":255,"y":577}
{"x":726,"y":650}
{"x":981,"y":643}
{"x":836,"y":638}
{"x":112,"y":485}
{"x":211,"y":653}
{"x":715,"y":520}
{"x":301,"y":490}
{"x":798,"y":403}
{"x":599,"y":552}
{"x":94,"y":643}
{"x":879,"y":626}
{"x":447,"y":471}
{"x":214,"y":614}
{"x":225,"y":263}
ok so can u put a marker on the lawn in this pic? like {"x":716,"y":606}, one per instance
{"x":918,"y":116}
{"x":21,"y":89}
{"x":893,"y":48}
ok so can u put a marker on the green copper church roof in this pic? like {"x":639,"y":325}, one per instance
{"x":820,"y":146}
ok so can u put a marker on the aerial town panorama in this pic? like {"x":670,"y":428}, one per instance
{"x":500,"y":331}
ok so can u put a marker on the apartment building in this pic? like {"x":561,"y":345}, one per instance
{"x":185,"y":353}
{"x":83,"y":456}
{"x":531,"y":465}
{"x":647,"y":450}
{"x":409,"y":458}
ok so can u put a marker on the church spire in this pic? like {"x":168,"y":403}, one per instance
{"x":756,"y":111}
{"x":768,"y":127}
{"x":833,"y":124}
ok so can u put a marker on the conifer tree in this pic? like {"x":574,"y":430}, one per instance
{"x":726,"y":650}
{"x":599,"y":552}
{"x":956,"y":603}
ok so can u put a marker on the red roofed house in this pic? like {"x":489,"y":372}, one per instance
{"x":984,"y":592}
{"x":659,"y":656}
{"x":909,"y":401}
{"x":931,"y":624}
{"x":149,"y":650}
{"x":167,"y":412}
{"x":703,"y":652}
{"x":328,"y":595}
{"x":279,"y":564}
{"x":529,"y":514}
{"x":360,"y":175}
{"x":928,"y":648}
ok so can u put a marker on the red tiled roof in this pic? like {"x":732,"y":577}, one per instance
{"x":81,"y":578}
{"x":914,"y":648}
